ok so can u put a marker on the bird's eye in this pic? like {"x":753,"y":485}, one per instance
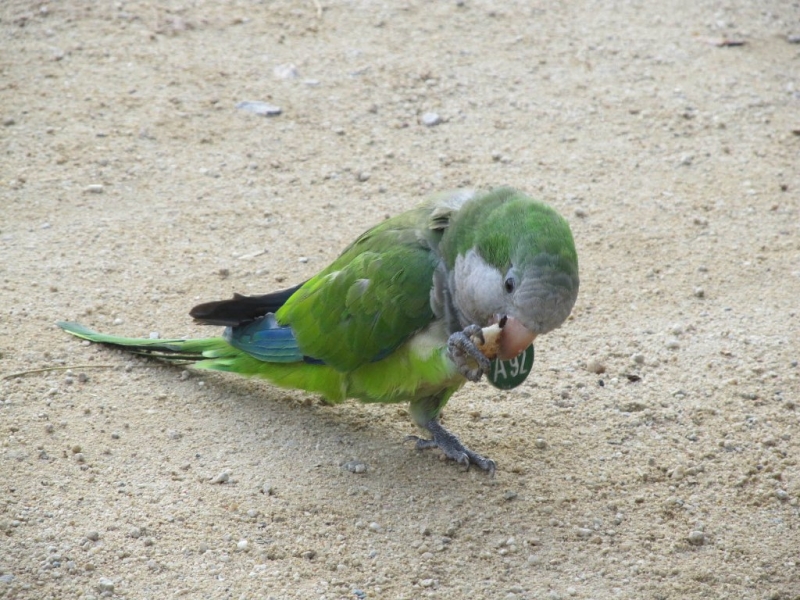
{"x":510,"y":284}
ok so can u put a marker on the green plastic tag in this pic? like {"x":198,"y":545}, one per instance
{"x":508,"y":374}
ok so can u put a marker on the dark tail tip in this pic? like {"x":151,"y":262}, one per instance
{"x":240,"y":309}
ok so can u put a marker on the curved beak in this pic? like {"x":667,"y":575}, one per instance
{"x":514,"y":338}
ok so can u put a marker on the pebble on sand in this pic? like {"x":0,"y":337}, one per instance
{"x":355,"y":466}
{"x":595,"y":366}
{"x":223,"y":477}
{"x":430,"y":119}
{"x":262,"y":109}
{"x":285,"y":71}
{"x":696,"y":538}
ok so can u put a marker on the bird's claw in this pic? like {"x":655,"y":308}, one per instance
{"x":461,"y":347}
{"x":452,"y":448}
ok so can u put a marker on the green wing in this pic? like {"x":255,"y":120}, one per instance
{"x":369,"y":300}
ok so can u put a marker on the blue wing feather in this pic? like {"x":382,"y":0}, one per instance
{"x":266,"y":340}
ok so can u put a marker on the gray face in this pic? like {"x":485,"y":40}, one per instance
{"x":540,"y":296}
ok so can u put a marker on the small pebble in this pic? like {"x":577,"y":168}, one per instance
{"x":673,"y":344}
{"x":267,"y":489}
{"x":595,"y":366}
{"x":285,"y":71}
{"x":262,"y":109}
{"x":105,"y":585}
{"x":638,"y":358}
{"x":540,"y":444}
{"x":94,"y":188}
{"x":243,"y":546}
{"x":375,"y":527}
{"x":426,"y":583}
{"x":355,"y":466}
{"x":699,"y":292}
{"x":93,"y":535}
{"x":223,"y":477}
{"x":431,"y":119}
{"x":696,"y":538}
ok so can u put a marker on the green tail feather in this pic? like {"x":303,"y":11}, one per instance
{"x":215,"y":354}
{"x":172,"y":350}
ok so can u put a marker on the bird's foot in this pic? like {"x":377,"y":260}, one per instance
{"x":462,"y":349}
{"x":452,"y":447}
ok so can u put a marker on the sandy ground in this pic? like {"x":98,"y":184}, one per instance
{"x":652,"y":454}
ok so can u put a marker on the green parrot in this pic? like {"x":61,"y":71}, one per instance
{"x":402,"y":315}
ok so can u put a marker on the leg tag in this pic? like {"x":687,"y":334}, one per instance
{"x":508,"y":374}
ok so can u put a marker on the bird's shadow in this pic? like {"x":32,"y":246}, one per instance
{"x":373,"y":434}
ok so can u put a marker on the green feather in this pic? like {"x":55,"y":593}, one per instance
{"x":506,"y":226}
{"x":371,"y":299}
{"x":416,"y":369}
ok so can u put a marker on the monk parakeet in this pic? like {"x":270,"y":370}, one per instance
{"x":404,"y":313}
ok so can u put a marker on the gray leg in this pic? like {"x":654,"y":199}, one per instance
{"x":452,"y":447}
{"x":460,"y":348}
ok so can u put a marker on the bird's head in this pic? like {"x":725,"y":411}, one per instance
{"x":511,"y":256}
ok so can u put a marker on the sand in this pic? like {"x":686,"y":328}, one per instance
{"x":653,"y":452}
